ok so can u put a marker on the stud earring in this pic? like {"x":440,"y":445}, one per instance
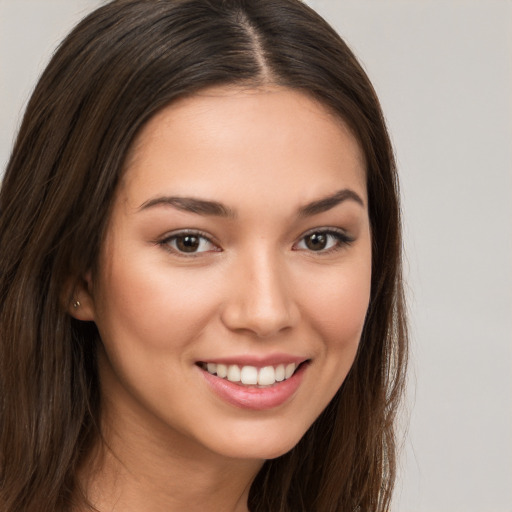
{"x":76,"y":304}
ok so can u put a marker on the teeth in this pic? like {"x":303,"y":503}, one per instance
{"x":222,"y":371}
{"x":280,"y":373}
{"x":288,"y":372}
{"x":266,"y":376}
{"x":250,"y":375}
{"x":233,"y":373}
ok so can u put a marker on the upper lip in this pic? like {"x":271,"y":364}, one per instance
{"x":258,"y":361}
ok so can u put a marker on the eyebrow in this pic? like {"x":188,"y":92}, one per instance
{"x":214,"y":208}
{"x":191,"y":205}
{"x":329,"y":202}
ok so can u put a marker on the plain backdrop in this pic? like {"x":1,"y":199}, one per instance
{"x":443,"y":72}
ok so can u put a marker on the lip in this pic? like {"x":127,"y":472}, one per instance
{"x":254,"y":398}
{"x":257,"y":361}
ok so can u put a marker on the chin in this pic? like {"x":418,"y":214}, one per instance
{"x":261,"y":443}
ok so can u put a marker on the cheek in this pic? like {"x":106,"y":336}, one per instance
{"x":337,"y":315}
{"x":142,"y":303}
{"x":343,"y":308}
{"x":338,"y":302}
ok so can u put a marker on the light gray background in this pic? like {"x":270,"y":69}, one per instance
{"x":443,"y":71}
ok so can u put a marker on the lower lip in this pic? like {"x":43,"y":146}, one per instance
{"x":252,"y":397}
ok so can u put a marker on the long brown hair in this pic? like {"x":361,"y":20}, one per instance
{"x":118,"y":67}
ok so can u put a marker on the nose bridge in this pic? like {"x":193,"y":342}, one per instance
{"x":260,"y":300}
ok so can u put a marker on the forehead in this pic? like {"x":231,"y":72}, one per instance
{"x":244,"y":137}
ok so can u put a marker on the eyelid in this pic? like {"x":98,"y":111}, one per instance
{"x":343,"y":238}
{"x":168,"y":237}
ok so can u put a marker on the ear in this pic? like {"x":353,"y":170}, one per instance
{"x":79,"y":298}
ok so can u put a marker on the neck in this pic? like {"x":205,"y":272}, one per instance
{"x":133,"y":472}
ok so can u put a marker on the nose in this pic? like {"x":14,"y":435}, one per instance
{"x":260,"y":300}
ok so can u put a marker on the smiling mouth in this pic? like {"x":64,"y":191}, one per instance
{"x":252,"y":376}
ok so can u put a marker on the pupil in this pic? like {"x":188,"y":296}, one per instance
{"x":188,"y":243}
{"x":316,"y":241}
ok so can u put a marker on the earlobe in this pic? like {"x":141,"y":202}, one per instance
{"x":80,"y":302}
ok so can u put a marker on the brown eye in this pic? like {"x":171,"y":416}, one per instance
{"x":187,"y":243}
{"x":323,"y":241}
{"x":316,"y":241}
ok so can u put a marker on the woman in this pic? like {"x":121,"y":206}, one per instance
{"x":200,"y":269}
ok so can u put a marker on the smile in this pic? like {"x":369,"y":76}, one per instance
{"x":251,"y":375}
{"x":260,"y":387}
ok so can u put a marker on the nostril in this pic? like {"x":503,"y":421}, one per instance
{"x":263,"y":323}
{"x":259,"y":297}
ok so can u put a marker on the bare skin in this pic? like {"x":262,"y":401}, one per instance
{"x":239,"y":237}
{"x":168,"y":481}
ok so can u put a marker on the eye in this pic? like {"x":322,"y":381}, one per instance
{"x":323,"y":240}
{"x":189,"y":242}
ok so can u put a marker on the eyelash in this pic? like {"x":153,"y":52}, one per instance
{"x":341,"y":240}
{"x":168,"y":240}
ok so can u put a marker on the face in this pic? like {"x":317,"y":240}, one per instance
{"x":235,"y":275}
